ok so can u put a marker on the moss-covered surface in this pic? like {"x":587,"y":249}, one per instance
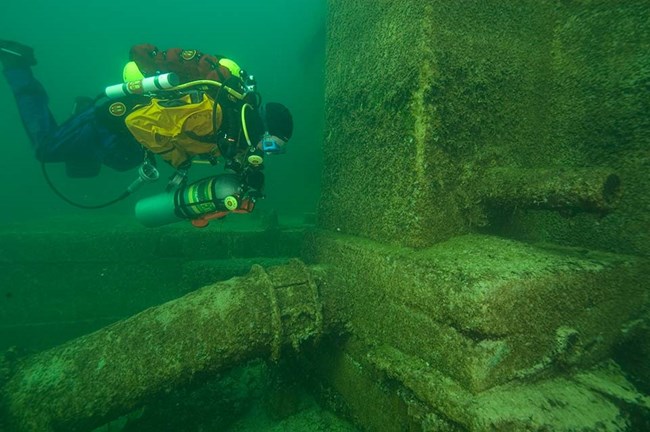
{"x":378,"y":180}
{"x":116,"y":369}
{"x":599,"y":399}
{"x":481,"y":309}
{"x":436,"y":112}
{"x":111,"y":242}
{"x":633,"y":353}
{"x":416,"y":98}
{"x":424,"y":97}
{"x":256,"y":397}
{"x":341,"y":378}
{"x":387,"y":390}
{"x":59,"y":280}
{"x":599,"y":108}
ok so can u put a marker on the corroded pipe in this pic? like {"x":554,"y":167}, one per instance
{"x":594,"y":190}
{"x":81,"y":384}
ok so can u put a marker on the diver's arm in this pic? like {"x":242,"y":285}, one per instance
{"x":189,"y":65}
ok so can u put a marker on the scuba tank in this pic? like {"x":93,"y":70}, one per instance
{"x":143,"y":86}
{"x":200,"y":201}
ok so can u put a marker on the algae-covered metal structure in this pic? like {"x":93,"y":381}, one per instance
{"x":485,"y":206}
{"x":480,"y":260}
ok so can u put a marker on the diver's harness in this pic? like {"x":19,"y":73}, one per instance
{"x":167,"y":87}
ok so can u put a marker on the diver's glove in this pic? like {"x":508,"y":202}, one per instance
{"x":179,"y":178}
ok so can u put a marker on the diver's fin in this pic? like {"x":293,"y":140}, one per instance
{"x":16,"y":54}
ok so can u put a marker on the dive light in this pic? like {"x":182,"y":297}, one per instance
{"x":145,"y":85}
{"x":147,"y":173}
{"x":221,"y":193}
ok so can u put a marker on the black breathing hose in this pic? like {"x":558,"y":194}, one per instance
{"x":76,"y":204}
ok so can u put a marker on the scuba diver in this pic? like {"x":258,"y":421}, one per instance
{"x":182,"y":105}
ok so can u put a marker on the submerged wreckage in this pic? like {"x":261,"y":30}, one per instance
{"x":479,"y":261}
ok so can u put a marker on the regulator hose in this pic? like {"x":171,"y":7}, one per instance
{"x":58,"y":193}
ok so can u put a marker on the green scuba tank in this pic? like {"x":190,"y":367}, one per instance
{"x":208,"y":195}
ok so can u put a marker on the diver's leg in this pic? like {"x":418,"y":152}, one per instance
{"x":82,"y":142}
{"x":73,"y":140}
{"x":33,"y":107}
